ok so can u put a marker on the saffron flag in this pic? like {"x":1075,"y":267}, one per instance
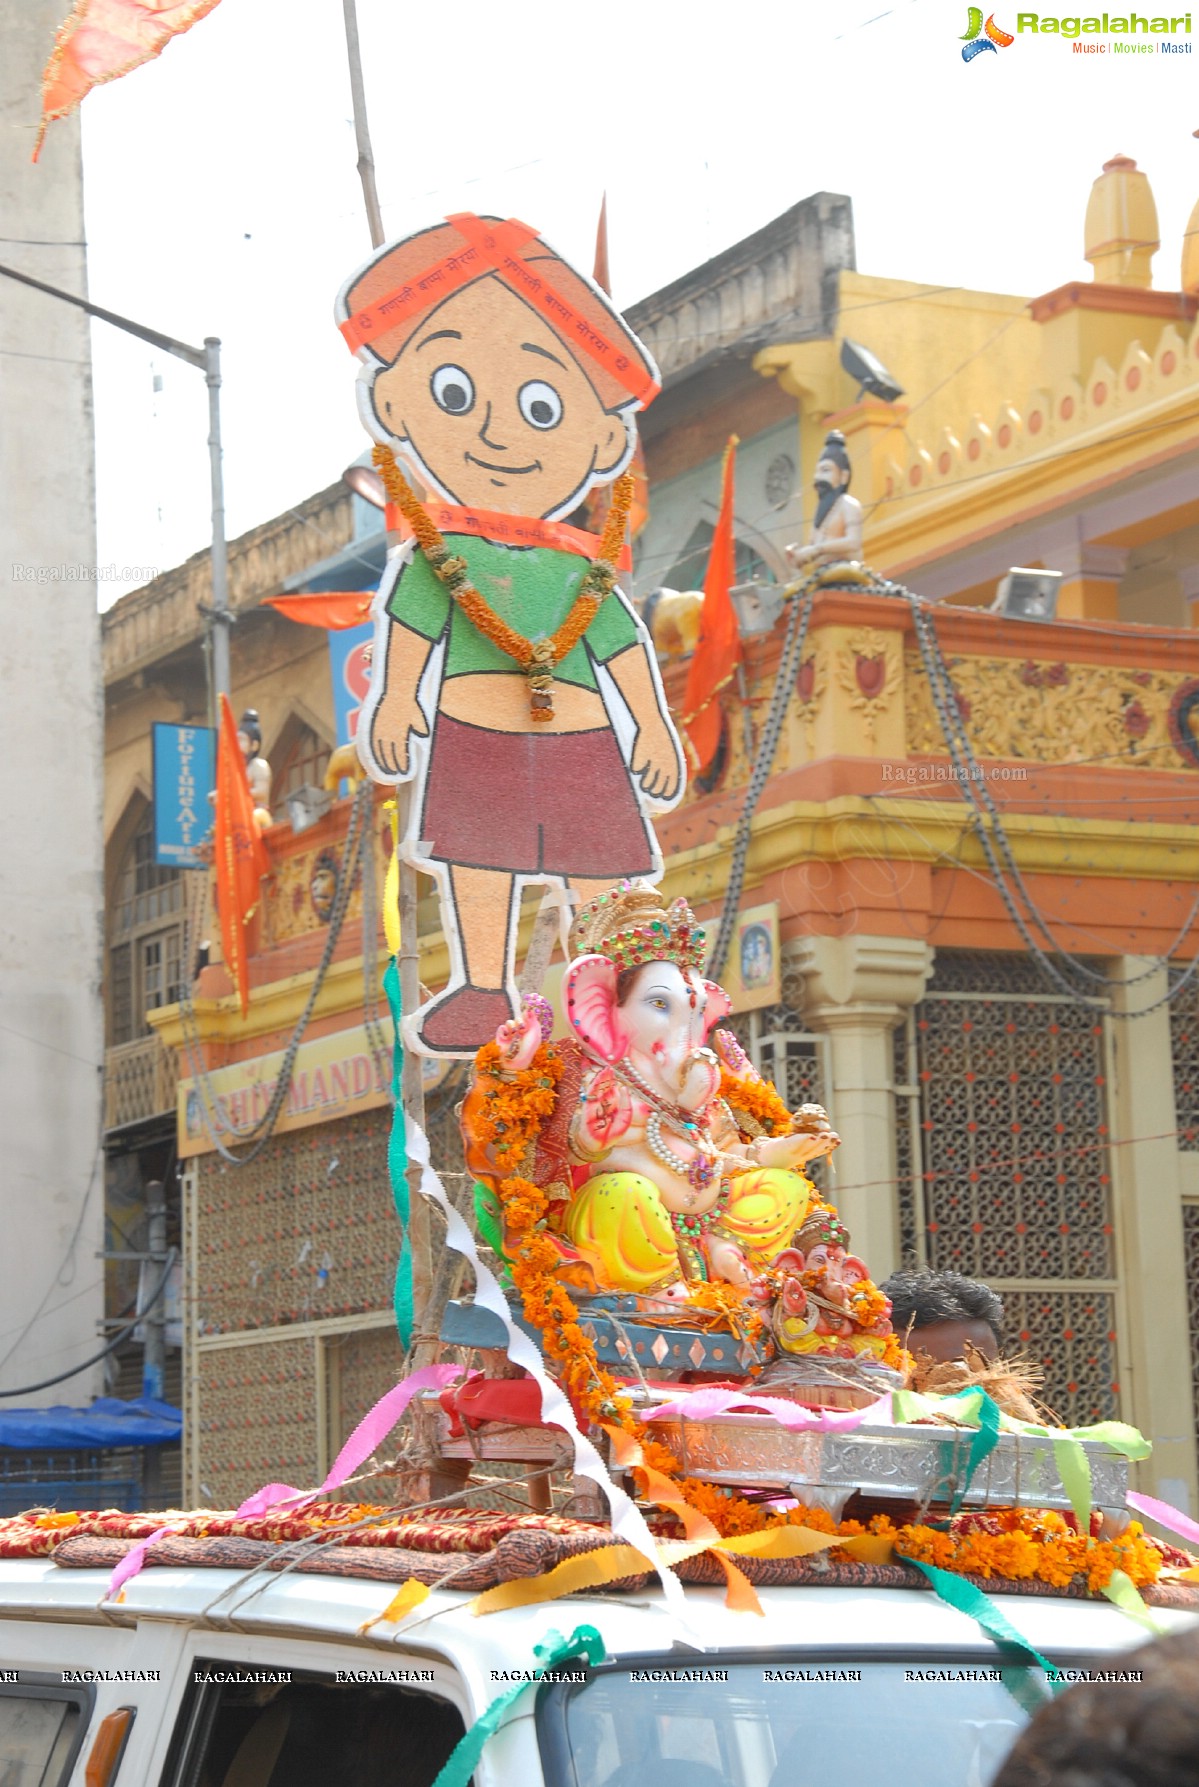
{"x":333,"y":609}
{"x":241,"y":858}
{"x":597,"y":503}
{"x":104,"y":39}
{"x":715,"y":659}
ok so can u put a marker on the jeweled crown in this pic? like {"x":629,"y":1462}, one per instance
{"x":630,"y":925}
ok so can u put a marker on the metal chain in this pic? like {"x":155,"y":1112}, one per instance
{"x":380,"y":1047}
{"x":793,"y":643}
{"x":210,"y":1112}
{"x":985,"y":817}
{"x":996,"y":845}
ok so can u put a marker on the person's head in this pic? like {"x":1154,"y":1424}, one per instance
{"x":488,"y":387}
{"x":833,"y":470}
{"x":944,"y":1311}
{"x":249,"y":733}
{"x":1118,"y":1734}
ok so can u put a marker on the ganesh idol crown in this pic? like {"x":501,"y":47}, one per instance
{"x":646,"y":1166}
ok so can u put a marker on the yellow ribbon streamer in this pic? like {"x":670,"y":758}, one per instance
{"x":391,"y":883}
{"x":400,"y":1606}
{"x":608,"y":1563}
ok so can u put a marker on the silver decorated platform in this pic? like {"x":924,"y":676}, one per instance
{"x":924,"y":1464}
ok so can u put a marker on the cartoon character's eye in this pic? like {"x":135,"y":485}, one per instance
{"x":452,"y":390}
{"x":540,"y":404}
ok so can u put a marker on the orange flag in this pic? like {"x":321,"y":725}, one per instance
{"x":241,"y":858}
{"x":332,"y":609}
{"x":104,"y":39}
{"x":597,"y":503}
{"x":715,"y":660}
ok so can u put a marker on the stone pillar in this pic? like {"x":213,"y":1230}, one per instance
{"x":856,"y":991}
{"x":1148,"y":1200}
{"x":1091,"y":584}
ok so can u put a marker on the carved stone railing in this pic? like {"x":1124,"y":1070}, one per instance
{"x":1076,"y":694}
{"x":139,"y":1081}
{"x":785,"y":271}
{"x":141,"y":629}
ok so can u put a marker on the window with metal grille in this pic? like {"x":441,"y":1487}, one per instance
{"x":794,"y":1061}
{"x":1184,"y":1039}
{"x":303,"y":759}
{"x":1190,"y":1235}
{"x":1005,"y":1172}
{"x":145,"y":937}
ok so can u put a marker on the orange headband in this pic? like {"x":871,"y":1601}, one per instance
{"x":497,"y":249}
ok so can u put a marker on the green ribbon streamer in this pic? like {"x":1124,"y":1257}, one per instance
{"x":965,"y":1597}
{"x":551,"y":1653}
{"x":974,"y":1405}
{"x":1123,"y":1592}
{"x":489,"y":1221}
{"x":1074,"y":1467}
{"x":397,"y":1163}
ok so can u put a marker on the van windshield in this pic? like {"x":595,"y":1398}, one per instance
{"x":783,"y":1722}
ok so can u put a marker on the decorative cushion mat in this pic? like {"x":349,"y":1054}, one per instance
{"x":454,"y":1531}
{"x":528,"y":1551}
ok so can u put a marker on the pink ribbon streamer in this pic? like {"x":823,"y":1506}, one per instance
{"x":133,"y":1560}
{"x":366,"y":1438}
{"x":1165,"y":1515}
{"x":702,"y":1405}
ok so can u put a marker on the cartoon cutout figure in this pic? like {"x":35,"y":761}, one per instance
{"x":508,"y":384}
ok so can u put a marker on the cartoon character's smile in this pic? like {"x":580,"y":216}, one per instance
{"x":512,"y":471}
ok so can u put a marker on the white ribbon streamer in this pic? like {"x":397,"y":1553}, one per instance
{"x":628,"y":1522}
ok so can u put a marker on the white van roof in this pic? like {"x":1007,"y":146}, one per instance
{"x":876,"y":1621}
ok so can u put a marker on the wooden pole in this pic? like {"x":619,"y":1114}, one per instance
{"x":412,"y":1092}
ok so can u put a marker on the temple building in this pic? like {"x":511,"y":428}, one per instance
{"x":974,"y":851}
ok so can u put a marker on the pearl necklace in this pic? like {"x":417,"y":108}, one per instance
{"x":700,"y":1172}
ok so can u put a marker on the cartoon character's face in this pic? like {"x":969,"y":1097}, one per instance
{"x":495,"y":408}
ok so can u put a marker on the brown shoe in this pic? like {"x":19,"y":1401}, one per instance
{"x":462,"y":1021}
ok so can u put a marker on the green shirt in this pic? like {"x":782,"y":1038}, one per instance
{"x":531,"y":587}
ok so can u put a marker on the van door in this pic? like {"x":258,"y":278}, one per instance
{"x":258,"y":1712}
{"x":59,"y":1681}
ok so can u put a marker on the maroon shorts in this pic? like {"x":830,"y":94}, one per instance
{"x":532,"y":804}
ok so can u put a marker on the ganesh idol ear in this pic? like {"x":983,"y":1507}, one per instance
{"x":589,"y":991}
{"x":719,"y":1005}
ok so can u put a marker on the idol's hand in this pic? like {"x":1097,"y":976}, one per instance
{"x":797,"y":1150}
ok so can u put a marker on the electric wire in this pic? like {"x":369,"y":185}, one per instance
{"x":259,"y":1133}
{"x":117,"y":1339}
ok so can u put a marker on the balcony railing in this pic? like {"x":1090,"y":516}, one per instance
{"x":139,"y":1082}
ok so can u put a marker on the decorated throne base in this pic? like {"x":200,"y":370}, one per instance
{"x":885,"y":1464}
{"x":640,"y":1336}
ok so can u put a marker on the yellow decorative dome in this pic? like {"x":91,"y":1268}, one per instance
{"x":1121,"y":233}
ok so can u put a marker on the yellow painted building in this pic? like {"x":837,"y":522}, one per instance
{"x":1001,"y":1115}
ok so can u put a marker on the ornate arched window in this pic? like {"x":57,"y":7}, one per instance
{"x":298,"y":760}
{"x":145,"y":936}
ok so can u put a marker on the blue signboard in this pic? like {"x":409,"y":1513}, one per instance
{"x":351,"y":672}
{"x":184,"y":776}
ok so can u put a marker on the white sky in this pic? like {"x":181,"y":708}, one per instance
{"x":222,"y":194}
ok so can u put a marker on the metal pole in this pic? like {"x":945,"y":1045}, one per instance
{"x":412,"y":1088}
{"x":154,"y":1357}
{"x":220,"y":618}
{"x":362,"y":135}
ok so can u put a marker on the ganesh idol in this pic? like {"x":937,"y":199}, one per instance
{"x":666,"y":1161}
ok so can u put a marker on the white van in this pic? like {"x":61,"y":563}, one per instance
{"x":209,"y":1678}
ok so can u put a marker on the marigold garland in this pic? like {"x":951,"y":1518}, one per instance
{"x":535,"y":657}
{"x":1015,"y":1544}
{"x":757,"y":1099}
{"x":514,"y":1108}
